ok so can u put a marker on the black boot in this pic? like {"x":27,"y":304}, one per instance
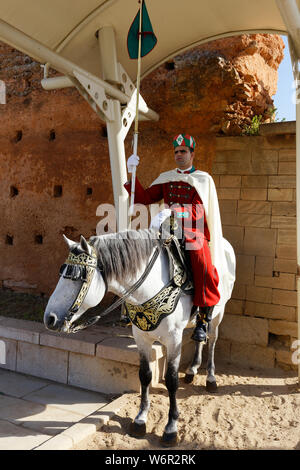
{"x":203,"y":318}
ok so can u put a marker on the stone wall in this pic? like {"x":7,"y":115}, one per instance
{"x":255,"y":179}
{"x":54,"y":161}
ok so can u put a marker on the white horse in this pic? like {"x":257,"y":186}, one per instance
{"x":115,"y":263}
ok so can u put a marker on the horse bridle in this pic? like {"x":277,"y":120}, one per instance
{"x":82,"y":267}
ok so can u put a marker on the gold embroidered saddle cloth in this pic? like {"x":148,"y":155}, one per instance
{"x":148,"y":316}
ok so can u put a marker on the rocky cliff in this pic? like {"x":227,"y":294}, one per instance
{"x":218,"y":87}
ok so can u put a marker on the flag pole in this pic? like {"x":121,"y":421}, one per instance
{"x":136,"y":122}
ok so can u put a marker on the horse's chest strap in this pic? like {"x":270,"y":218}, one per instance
{"x":148,"y":315}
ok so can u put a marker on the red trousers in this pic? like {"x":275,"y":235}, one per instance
{"x":205,"y":277}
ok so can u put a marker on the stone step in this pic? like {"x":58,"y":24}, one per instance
{"x":101,"y":358}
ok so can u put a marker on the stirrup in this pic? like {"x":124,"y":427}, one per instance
{"x":125,"y":321}
{"x":200,"y":334}
{"x":124,"y":318}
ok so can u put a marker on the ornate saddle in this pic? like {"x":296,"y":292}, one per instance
{"x":148,"y":315}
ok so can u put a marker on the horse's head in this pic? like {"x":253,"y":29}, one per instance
{"x":81,"y":286}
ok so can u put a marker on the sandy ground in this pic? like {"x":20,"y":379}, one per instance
{"x":251,"y":410}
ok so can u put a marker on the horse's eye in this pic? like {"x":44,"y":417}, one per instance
{"x":69,"y":271}
{"x":76,"y":273}
{"x":84,"y":274}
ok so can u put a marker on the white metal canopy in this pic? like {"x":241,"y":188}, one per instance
{"x":86,"y":40}
{"x":69,"y":26}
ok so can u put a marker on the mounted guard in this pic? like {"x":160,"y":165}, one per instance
{"x":191,"y":196}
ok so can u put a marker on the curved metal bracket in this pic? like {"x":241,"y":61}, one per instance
{"x":95,"y":96}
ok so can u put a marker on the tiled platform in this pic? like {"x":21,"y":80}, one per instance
{"x":42,"y":415}
{"x":58,"y":389}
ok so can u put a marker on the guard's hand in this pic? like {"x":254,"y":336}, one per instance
{"x":132,"y":162}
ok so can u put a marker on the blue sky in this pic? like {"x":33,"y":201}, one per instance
{"x":283,"y":100}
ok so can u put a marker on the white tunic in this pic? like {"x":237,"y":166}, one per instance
{"x":222,"y":253}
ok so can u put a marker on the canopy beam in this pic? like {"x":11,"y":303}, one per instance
{"x":43,"y":54}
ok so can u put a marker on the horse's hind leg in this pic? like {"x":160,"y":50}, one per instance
{"x":211,"y":384}
{"x":169,"y":437}
{"x":138,"y":426}
{"x":191,"y":371}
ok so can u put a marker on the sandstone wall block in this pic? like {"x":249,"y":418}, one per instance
{"x":259,"y":294}
{"x":282,"y":182}
{"x":264,"y":266}
{"x":254,"y":194}
{"x":254,"y":207}
{"x":267,"y":310}
{"x":287,"y":155}
{"x":285,"y":265}
{"x":287,"y":168}
{"x":252,"y":355}
{"x":286,"y":209}
{"x":284,"y":297}
{"x":230,"y":181}
{"x":256,"y":181}
{"x":283,"y":281}
{"x":279,"y":194}
{"x":244,"y":329}
{"x":286,"y":251}
{"x":279,"y":327}
{"x":260,"y":241}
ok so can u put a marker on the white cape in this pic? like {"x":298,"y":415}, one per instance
{"x":222,"y":253}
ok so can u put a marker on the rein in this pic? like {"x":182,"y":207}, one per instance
{"x":75,"y":264}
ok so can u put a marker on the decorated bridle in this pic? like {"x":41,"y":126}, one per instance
{"x":82,"y":267}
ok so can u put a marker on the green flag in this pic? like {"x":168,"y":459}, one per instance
{"x":149,"y":39}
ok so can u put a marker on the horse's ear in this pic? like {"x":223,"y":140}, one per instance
{"x":69,"y":242}
{"x":84,"y":245}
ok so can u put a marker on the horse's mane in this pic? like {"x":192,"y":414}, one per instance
{"x":123,"y":253}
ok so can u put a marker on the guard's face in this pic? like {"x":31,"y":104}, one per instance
{"x":183,"y":157}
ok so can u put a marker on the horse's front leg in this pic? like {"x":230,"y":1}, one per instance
{"x":169,"y":437}
{"x":192,"y":369}
{"x":138,"y":426}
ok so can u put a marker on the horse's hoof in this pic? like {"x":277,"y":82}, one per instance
{"x":137,"y":430}
{"x":188,"y":378}
{"x":211,"y":387}
{"x":169,"y":439}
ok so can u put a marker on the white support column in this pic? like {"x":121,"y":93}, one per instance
{"x":298,"y":211}
{"x":295,"y":64}
{"x":291,"y":16}
{"x":107,"y":44}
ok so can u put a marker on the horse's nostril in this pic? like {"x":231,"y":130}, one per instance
{"x":51,"y":320}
